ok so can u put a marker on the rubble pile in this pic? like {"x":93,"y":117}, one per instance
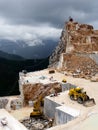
{"x":32,"y":91}
{"x":10,"y":103}
{"x":36,"y":123}
{"x":3,"y":102}
{"x":80,"y":66}
{"x":16,"y":104}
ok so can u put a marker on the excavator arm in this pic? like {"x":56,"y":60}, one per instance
{"x":37,"y":107}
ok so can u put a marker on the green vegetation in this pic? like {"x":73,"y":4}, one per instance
{"x":9,"y":73}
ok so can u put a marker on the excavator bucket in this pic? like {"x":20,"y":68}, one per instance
{"x":89,"y":103}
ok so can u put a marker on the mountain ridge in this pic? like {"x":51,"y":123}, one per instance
{"x":22,"y":48}
{"x":10,"y":56}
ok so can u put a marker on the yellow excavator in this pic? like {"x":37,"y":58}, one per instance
{"x":39,"y":104}
{"x":37,"y":107}
{"x":81,"y":97}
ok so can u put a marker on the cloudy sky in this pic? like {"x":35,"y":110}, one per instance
{"x":41,"y":19}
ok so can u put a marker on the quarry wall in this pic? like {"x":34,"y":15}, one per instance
{"x":77,"y":50}
{"x":32,"y":87}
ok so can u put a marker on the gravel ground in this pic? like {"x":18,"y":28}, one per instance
{"x":90,"y":87}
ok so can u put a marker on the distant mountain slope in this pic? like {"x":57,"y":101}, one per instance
{"x":28,"y":50}
{"x":9,"y":73}
{"x":10,"y":56}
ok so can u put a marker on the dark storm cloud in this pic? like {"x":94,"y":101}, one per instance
{"x":53,"y":12}
{"x":39,"y":19}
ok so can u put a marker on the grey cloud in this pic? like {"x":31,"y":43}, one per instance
{"x":29,"y":34}
{"x":53,"y":12}
{"x":39,"y":19}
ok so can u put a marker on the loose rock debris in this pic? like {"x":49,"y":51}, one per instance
{"x":37,"y":123}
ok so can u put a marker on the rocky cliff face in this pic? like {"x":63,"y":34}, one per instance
{"x":77,"y":44}
{"x":32,"y":91}
{"x":61,"y":48}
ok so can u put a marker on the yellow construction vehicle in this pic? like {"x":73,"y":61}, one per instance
{"x":37,"y":107}
{"x":80,"y":96}
{"x":39,"y":104}
{"x":64,"y":80}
